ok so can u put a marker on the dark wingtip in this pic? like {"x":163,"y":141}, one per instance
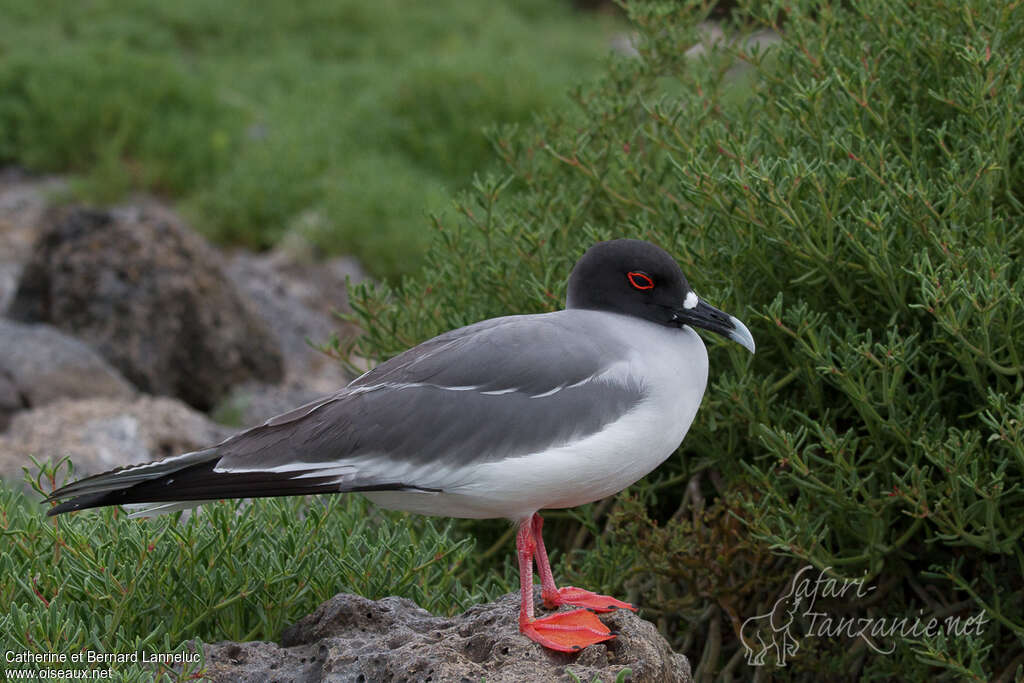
{"x":80,"y":503}
{"x":60,"y":509}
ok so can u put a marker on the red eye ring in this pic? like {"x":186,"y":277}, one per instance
{"x":640,"y":280}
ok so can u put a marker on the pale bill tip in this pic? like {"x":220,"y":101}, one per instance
{"x":741,"y":335}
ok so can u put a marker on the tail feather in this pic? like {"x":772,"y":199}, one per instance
{"x":125,"y":477}
{"x":191,"y":479}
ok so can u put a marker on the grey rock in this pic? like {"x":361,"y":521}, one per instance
{"x":11,"y":400}
{"x":23,"y":202}
{"x":98,"y":434}
{"x":625,"y":44}
{"x":44,"y":365}
{"x":253,"y":403}
{"x":9,"y":274}
{"x":151,"y":296}
{"x":349,"y":638}
{"x":298,"y":296}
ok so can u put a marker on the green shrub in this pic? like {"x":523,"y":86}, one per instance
{"x":861,"y":209}
{"x":136,"y":119}
{"x":233,"y":571}
{"x":256,"y":117}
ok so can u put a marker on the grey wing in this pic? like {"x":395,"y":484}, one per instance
{"x":502,"y":388}
{"x":497,"y":389}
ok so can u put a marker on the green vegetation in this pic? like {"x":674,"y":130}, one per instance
{"x":346,"y":121}
{"x":855,"y":196}
{"x":861,"y":209}
{"x":234,"y":571}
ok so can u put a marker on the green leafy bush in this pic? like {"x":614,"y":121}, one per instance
{"x":233,"y":571}
{"x":859,"y":205}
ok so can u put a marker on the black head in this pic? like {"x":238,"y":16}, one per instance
{"x":628,"y":276}
{"x":640,"y":279}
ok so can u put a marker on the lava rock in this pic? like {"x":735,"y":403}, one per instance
{"x":98,"y":434}
{"x":11,"y":400}
{"x":298,"y":296}
{"x":349,"y":638}
{"x":24,"y":200}
{"x":253,"y":403}
{"x":44,"y":365}
{"x":152,"y":298}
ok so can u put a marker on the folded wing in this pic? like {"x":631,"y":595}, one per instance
{"x":498,"y":389}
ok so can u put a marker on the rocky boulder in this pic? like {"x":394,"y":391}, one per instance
{"x":24,"y":199}
{"x":349,"y":638}
{"x":151,"y":297}
{"x":40,"y":365}
{"x":298,"y":295}
{"x":100,"y":434}
{"x":11,"y":400}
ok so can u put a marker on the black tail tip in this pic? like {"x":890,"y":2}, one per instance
{"x":79,"y":503}
{"x":59,"y":509}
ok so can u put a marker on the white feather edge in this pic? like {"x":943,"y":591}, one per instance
{"x":137,"y":510}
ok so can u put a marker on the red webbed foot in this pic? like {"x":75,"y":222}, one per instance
{"x":567,"y":631}
{"x":580,"y":597}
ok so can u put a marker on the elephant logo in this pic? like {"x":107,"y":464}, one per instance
{"x":771,"y":631}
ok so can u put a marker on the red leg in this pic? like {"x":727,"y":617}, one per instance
{"x":524,"y":549}
{"x":553,"y":596}
{"x":548,"y":590}
{"x":565,"y":631}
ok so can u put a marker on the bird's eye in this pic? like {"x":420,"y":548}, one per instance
{"x":640,"y":280}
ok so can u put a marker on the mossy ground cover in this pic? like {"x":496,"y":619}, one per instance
{"x":347,"y":121}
